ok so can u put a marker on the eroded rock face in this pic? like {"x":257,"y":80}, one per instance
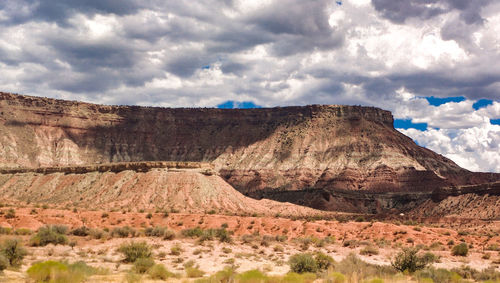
{"x":152,"y":186}
{"x":318,"y":148}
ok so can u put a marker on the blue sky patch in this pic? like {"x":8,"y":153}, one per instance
{"x":205,"y":67}
{"x":481,"y":103}
{"x":407,"y":124}
{"x":436,"y":101}
{"x":231,"y":104}
{"x":495,"y":121}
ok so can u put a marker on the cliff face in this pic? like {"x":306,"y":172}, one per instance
{"x":328,"y":148}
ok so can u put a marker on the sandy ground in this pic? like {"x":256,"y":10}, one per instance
{"x":212,"y":256}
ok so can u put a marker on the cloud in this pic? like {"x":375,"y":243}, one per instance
{"x":401,"y":11}
{"x":473,"y":148}
{"x":388,"y":54}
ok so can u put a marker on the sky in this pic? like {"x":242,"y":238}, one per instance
{"x":434,"y":63}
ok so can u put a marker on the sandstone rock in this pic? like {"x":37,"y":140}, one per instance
{"x":318,"y":149}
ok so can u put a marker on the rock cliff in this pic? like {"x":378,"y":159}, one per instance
{"x":267,"y":152}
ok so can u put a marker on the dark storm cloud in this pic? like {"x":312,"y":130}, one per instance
{"x":297,"y":26}
{"x":438,"y":84}
{"x":184,"y":65}
{"x":182,"y":37}
{"x":234,"y":68}
{"x":20,"y":11}
{"x":400,"y":11}
{"x":87,"y":56}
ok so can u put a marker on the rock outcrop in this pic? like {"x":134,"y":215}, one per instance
{"x":269,"y":152}
{"x":151,"y":186}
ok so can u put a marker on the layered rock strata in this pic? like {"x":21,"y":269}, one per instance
{"x":319,"y":149}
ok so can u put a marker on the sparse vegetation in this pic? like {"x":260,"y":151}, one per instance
{"x":13,"y":251}
{"x":460,"y":250}
{"x":301,"y":263}
{"x":123,"y":232}
{"x":159,"y":272}
{"x":81,"y":231}
{"x":50,"y":235}
{"x":409,"y":260}
{"x":369,"y":250}
{"x":143,"y":264}
{"x":11,"y":213}
{"x":135,"y":250}
{"x":55,"y":271}
{"x":176,"y":249}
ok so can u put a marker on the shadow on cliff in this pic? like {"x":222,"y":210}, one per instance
{"x":179,"y":134}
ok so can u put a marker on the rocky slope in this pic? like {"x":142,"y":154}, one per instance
{"x":151,"y":186}
{"x":272,"y":152}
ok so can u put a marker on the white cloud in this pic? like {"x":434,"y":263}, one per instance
{"x":474,"y":148}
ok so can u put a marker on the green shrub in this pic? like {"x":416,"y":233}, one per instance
{"x":460,"y":250}
{"x":81,"y":231}
{"x":252,"y":276}
{"x":49,"y":235}
{"x":353,"y":266}
{"x":293,"y":277}
{"x":4,"y":262}
{"x":207,"y":235}
{"x":134,"y":250}
{"x":155,"y":232}
{"x":430,"y":257}
{"x":141,"y":265}
{"x":5,"y":230}
{"x":49,"y":271}
{"x":60,"y":229}
{"x":224,"y":236}
{"x":11,"y":213}
{"x":158,"y":271}
{"x":493,"y":247}
{"x":409,"y":260}
{"x":169,"y":235}
{"x":54,"y":271}
{"x":97,"y":233}
{"x":335,"y":277}
{"x":301,"y":263}
{"x":132,"y":277}
{"x":438,"y":275}
{"x":23,"y":231}
{"x":82,"y":268}
{"x":194,"y":272}
{"x":14,"y":251}
{"x":323,"y":261}
{"x":176,"y":249}
{"x":489,"y":273}
{"x":123,"y":232}
{"x":192,"y":233}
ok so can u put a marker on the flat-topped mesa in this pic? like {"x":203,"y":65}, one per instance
{"x":282,"y":149}
{"x":203,"y":167}
{"x":43,"y":108}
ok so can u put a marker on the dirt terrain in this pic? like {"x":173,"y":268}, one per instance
{"x":252,"y":252}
